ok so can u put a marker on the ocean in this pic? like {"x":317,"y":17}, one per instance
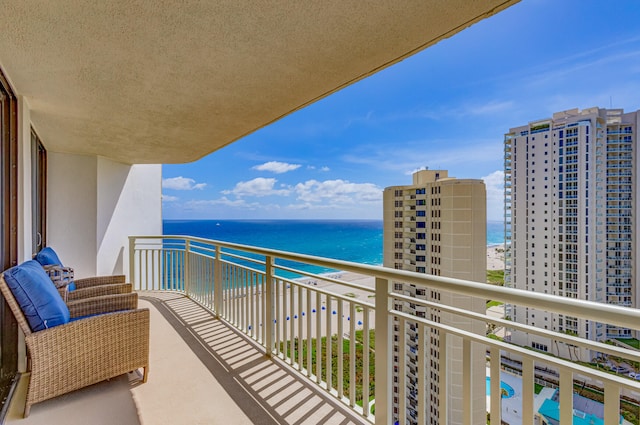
{"x":350,"y":240}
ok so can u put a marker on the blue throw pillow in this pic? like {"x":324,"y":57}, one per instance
{"x":48,"y":257}
{"x":40,"y":302}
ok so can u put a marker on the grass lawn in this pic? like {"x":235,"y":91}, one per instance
{"x":631,"y":342}
{"x":495,"y":277}
{"x":359,"y":354}
{"x":494,"y":303}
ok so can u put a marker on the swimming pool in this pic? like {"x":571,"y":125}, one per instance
{"x":504,"y":386}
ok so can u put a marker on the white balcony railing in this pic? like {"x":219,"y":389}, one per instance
{"x":271,"y":296}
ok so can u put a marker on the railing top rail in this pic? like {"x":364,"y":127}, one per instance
{"x":606,"y":313}
{"x":525,"y":352}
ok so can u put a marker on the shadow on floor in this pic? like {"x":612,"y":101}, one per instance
{"x":266,"y":391}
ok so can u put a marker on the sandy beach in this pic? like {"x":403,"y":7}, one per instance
{"x":495,"y":257}
{"x":495,"y":261}
{"x":300,"y":316}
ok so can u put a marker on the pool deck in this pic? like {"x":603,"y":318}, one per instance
{"x":512,"y":406}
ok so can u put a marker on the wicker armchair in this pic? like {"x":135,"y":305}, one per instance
{"x":86,"y":287}
{"x":86,"y":350}
{"x":76,"y":289}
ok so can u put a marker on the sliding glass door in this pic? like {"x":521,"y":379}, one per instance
{"x":38,"y":193}
{"x":8,"y":232}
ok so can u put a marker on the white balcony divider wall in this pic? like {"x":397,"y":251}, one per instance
{"x":258,"y":292}
{"x":94,"y":203}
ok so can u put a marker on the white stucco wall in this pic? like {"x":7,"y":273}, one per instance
{"x":24,"y":181}
{"x":94,"y":204}
{"x":129,"y":203}
{"x":72,"y":209}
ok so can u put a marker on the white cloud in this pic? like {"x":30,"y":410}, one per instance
{"x":168,"y":198}
{"x":323,"y":169}
{"x":494,"y":183}
{"x":181,"y":183}
{"x":276,"y":167}
{"x":257,"y":187}
{"x":337,"y":191}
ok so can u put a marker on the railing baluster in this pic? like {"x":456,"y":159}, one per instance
{"x":132,"y":263}
{"x":496,"y":398}
{"x":217,"y":284}
{"x":225,"y":294}
{"x":243,"y":299}
{"x":309,"y":334}
{"x":340,"y":349}
{"x":329,"y":359}
{"x":300,"y":333}
{"x":277,"y":322}
{"x":292,"y":325}
{"x":467,"y":398}
{"x":402,"y":371}
{"x":266,"y":301}
{"x":234,"y":294}
{"x":146,"y":268}
{"x":566,"y":396}
{"x":422,"y":356}
{"x":443,"y":397}
{"x":527,"y":391}
{"x":252,"y":296}
{"x":187,"y":267}
{"x":366,"y":350}
{"x":611,"y":403}
{"x":352,"y":354}
{"x":285,"y":313}
{"x":318,"y":337}
{"x":384,"y":359}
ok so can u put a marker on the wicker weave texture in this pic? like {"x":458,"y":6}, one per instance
{"x":80,"y":353}
{"x":97,"y":291}
{"x":99,"y":280}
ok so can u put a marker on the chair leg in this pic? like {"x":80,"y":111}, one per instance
{"x":27,"y":409}
{"x":145,"y":373}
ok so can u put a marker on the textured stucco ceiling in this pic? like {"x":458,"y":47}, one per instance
{"x":171,"y":81}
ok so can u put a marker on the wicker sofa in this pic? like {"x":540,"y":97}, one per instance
{"x":77,"y":289}
{"x":92,"y":340}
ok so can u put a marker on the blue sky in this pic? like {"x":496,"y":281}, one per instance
{"x":447,"y":107}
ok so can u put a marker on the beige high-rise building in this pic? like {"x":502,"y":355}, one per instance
{"x":437,"y":226}
{"x":570,"y":219}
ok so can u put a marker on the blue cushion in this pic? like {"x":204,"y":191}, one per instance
{"x":71,"y":287}
{"x":39,"y":300}
{"x":48,"y":257}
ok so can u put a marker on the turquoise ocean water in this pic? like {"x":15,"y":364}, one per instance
{"x":351,"y":240}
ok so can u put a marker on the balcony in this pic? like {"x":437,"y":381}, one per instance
{"x":212,"y":301}
{"x":247,"y":325}
{"x":205,"y":371}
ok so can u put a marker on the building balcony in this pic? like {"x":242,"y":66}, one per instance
{"x":238,"y":336}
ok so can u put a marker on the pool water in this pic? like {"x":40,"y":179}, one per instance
{"x":504,"y":386}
